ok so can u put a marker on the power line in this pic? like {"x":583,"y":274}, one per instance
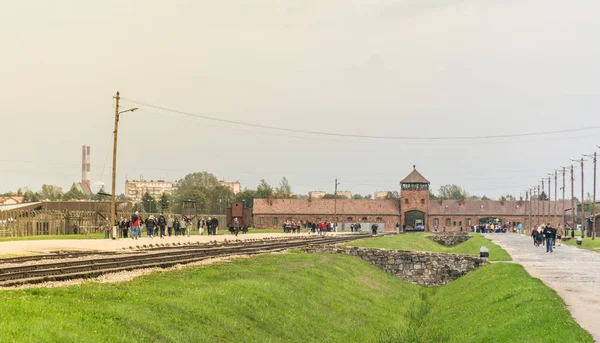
{"x":268,"y":127}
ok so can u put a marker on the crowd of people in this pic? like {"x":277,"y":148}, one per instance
{"x":320,"y":227}
{"x":162,"y":226}
{"x":548,"y":236}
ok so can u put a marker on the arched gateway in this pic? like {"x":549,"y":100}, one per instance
{"x":414,"y":200}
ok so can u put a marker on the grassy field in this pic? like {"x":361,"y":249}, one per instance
{"x":292,"y":298}
{"x":420,"y":242}
{"x":588,"y":243}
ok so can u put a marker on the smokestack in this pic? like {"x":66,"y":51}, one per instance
{"x":85,"y":165}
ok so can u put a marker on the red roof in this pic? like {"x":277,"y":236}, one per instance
{"x":414,"y":177}
{"x":492,"y":207}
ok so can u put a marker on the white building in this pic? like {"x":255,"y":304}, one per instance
{"x":136,"y":189}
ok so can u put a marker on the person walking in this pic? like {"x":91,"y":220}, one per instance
{"x":209,"y":226}
{"x":162,"y":224}
{"x":549,"y":234}
{"x":200,"y":226}
{"x":183,"y":226}
{"x":170,"y":223}
{"x":176,"y":226}
{"x":150,"y":225}
{"x":135,"y":225}
{"x":236,"y":226}
{"x":215,"y":225}
{"x":374,"y":228}
{"x":559,"y":234}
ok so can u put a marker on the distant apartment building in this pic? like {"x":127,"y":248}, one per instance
{"x":345,"y":194}
{"x":316,"y":194}
{"x":11,"y":200}
{"x":234,"y":186}
{"x":135,"y":190}
{"x":380,"y":195}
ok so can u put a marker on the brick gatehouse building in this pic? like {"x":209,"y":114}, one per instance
{"x":413,"y":207}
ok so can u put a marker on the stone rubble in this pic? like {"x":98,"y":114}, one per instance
{"x":416,"y":267}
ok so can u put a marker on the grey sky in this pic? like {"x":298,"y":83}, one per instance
{"x":378,"y":67}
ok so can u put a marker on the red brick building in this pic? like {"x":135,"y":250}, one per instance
{"x":414,"y":207}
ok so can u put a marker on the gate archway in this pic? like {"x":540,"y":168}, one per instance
{"x":414,"y":219}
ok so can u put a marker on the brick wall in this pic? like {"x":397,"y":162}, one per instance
{"x":268,"y":220}
{"x":456,"y":221}
{"x":415,"y":201}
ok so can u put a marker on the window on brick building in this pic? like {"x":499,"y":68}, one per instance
{"x":349,"y":219}
{"x":454,"y":224}
{"x":261,"y":220}
{"x":423,"y":201}
{"x":459,"y":223}
{"x":436,"y":222}
{"x":275,"y":221}
{"x":448,"y":221}
{"x":469,"y":222}
{"x":406,"y":201}
{"x":379,"y":219}
{"x":364,"y":219}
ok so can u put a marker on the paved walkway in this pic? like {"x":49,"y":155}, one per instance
{"x":573,"y":273}
{"x":45,"y":246}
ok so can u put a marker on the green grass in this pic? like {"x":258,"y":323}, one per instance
{"x":587,"y":243}
{"x":497,"y":303}
{"x":420,"y":242}
{"x":292,"y":298}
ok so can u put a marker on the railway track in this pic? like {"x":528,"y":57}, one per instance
{"x":151,"y":258}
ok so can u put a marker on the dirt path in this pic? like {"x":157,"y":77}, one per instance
{"x":45,"y":246}
{"x":573,"y":273}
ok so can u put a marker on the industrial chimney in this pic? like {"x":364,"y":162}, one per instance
{"x":85,"y":165}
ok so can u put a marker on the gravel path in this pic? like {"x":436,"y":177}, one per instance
{"x":573,"y":273}
{"x":46,"y":246}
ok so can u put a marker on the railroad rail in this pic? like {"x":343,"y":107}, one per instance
{"x":161,"y":257}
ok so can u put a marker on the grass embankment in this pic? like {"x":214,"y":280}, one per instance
{"x":295,"y":298}
{"x":420,"y":242}
{"x":587,"y":243}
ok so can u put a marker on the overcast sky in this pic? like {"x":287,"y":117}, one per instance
{"x":423,"y":68}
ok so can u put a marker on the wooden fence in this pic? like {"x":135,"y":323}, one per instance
{"x":18,"y":223}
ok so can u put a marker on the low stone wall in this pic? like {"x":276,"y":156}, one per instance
{"x":449,"y":239}
{"x":416,"y":267}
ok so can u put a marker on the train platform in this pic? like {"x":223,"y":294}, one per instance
{"x":21,"y":248}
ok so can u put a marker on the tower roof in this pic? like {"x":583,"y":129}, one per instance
{"x":414,"y":177}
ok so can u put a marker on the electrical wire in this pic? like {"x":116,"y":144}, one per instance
{"x":268,"y":127}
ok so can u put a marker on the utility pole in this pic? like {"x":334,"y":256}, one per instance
{"x":549,"y":196}
{"x":582,"y":203}
{"x":594,"y":204}
{"x":335,"y":202}
{"x":573,"y":203}
{"x":563,"y":197}
{"x":543,"y":205}
{"x":537,"y":223}
{"x":593,"y":228}
{"x":555,"y":194}
{"x":113,"y":200}
{"x":527,"y":204}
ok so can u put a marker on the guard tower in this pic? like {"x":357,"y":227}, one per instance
{"x":414,"y":202}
